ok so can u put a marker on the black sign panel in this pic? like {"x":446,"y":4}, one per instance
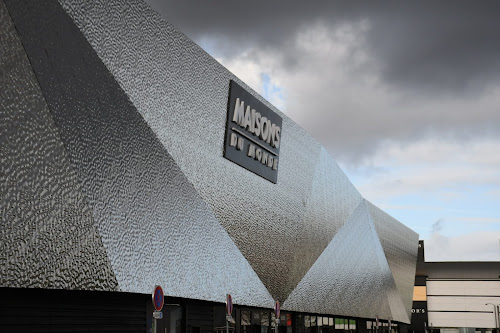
{"x":253,"y":134}
{"x":419,"y":317}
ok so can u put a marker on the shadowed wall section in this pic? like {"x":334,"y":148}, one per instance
{"x":48,"y":238}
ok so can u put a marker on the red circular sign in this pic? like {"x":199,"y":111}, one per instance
{"x":158,"y":298}
{"x":229,"y":304}
{"x":277,"y":309}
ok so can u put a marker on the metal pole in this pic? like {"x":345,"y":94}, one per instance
{"x":227,"y":324}
{"x":495,"y":315}
{"x":498,"y":316}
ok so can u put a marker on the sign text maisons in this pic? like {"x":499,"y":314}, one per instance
{"x":253,"y":134}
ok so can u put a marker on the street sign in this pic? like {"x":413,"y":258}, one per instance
{"x":158,"y":315}
{"x":229,"y":304}
{"x":277,"y":309}
{"x":158,"y":298}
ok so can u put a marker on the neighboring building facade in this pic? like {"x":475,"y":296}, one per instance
{"x":456,"y":297}
{"x":129,"y":159}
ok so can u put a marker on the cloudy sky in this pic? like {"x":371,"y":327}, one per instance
{"x":404,"y":95}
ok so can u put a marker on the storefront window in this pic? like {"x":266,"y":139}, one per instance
{"x":339,"y":323}
{"x":299,"y":322}
{"x":307,"y":324}
{"x":314,"y":324}
{"x":245,"y":321}
{"x":264,"y":318}
{"x":325,"y":328}
{"x":264,"y":322}
{"x":320,"y":324}
{"x":347,"y":324}
{"x":383,"y":327}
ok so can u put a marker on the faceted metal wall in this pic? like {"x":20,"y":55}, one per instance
{"x":141,"y":112}
{"x":154,"y":225}
{"x":400,"y":250}
{"x":48,"y":238}
{"x":179,"y":89}
{"x":350,"y":276}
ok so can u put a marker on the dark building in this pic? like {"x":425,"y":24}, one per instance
{"x":130,"y":158}
{"x":455,"y":297}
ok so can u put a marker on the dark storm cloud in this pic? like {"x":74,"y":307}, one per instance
{"x":430,"y":69}
{"x":436,"y":46}
{"x":440,"y":45}
{"x":257,"y":22}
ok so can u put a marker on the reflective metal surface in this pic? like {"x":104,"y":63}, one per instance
{"x":141,"y":111}
{"x":351,"y":277}
{"x":400,"y":249}
{"x":182,"y":93}
{"x":48,"y":238}
{"x":154,"y":225}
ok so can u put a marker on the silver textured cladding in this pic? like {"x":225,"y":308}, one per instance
{"x":48,"y":238}
{"x":361,"y":275}
{"x":178,"y":89}
{"x":153,"y":224}
{"x":349,"y":276}
{"x":139,"y":113}
{"x":400,"y":248}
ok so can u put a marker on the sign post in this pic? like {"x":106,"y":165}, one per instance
{"x":158,"y":300}
{"x":277,"y":313}
{"x":229,"y":310}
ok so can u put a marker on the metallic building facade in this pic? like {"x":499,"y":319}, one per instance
{"x":113,"y":177}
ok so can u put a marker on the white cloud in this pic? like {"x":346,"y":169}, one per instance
{"x":246,"y":68}
{"x":256,"y":71}
{"x":479,"y":246}
{"x":439,"y":151}
{"x":485,"y":220}
{"x":431,"y":166}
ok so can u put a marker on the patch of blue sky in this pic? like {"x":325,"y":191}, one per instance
{"x":462,"y":207}
{"x":272,"y":92}
{"x":209,"y":45}
{"x":362,"y":174}
{"x":461,"y":213}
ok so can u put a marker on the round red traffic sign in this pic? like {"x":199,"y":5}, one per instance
{"x":277,"y":309}
{"x":158,"y":298}
{"x":229,"y":304}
